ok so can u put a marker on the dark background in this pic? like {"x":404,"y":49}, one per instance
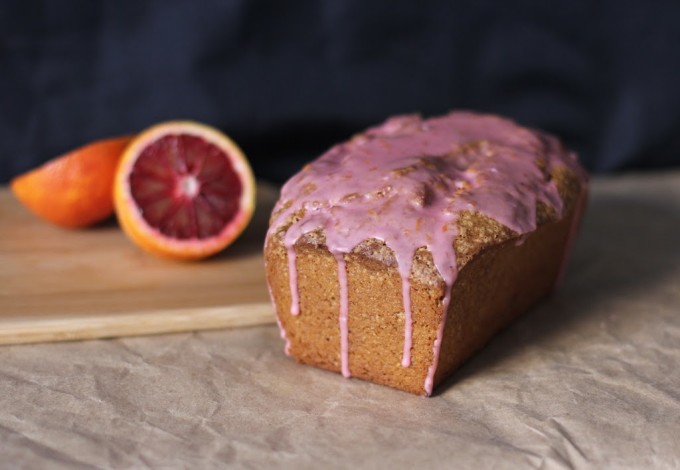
{"x":287,"y":79}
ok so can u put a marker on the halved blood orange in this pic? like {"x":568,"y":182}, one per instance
{"x":183,"y":190}
{"x":74,"y":189}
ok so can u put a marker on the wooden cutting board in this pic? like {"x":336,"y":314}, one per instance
{"x":58,"y":284}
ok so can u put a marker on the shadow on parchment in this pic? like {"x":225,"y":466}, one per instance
{"x":626,"y":245}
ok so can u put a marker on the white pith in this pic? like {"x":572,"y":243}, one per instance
{"x":188,"y":186}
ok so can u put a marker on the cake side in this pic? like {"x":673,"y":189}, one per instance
{"x":498,"y":285}
{"x":376,"y":320}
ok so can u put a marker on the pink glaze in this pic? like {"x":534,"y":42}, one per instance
{"x":408,"y":321}
{"x":344,"y":313}
{"x":405,"y":183}
{"x":294,"y":292}
{"x":432,"y":369}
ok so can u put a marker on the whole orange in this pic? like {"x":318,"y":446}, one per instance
{"x":73,"y":190}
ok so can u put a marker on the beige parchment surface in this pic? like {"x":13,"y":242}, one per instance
{"x":589,"y":379}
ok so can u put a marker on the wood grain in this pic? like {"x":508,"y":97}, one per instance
{"x":58,"y":284}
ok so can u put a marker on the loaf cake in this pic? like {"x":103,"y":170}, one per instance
{"x":397,"y":254}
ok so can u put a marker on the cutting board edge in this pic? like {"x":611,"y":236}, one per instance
{"x":115,"y":324}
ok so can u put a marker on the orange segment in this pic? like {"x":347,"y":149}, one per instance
{"x":73,"y":190}
{"x":183,"y":190}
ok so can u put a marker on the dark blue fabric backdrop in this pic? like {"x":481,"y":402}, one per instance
{"x":287,"y":79}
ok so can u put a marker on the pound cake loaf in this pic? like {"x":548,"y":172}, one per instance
{"x":396,"y":255}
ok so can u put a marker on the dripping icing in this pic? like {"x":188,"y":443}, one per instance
{"x":344,"y":311}
{"x":405,"y":183}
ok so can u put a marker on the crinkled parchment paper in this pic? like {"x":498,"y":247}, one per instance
{"x":590,"y":379}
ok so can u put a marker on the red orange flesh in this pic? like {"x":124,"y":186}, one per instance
{"x":184,"y":190}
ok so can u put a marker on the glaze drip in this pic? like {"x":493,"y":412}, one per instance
{"x":405,"y":183}
{"x":344,"y":314}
